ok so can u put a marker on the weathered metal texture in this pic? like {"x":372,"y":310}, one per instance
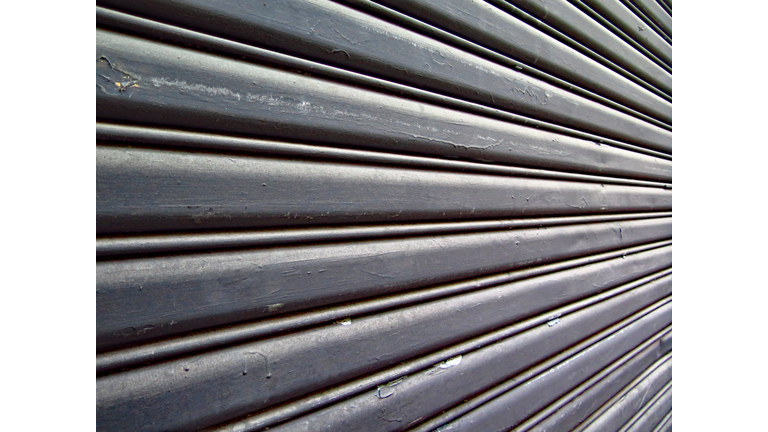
{"x":629,"y":402}
{"x":141,"y":190}
{"x":181,"y":36}
{"x":248,"y":377}
{"x":148,"y":297}
{"x":647,"y":15}
{"x":568,"y":414}
{"x":574,"y":23}
{"x":170,"y":86}
{"x":249,"y":331}
{"x":490,"y":26}
{"x":665,"y":424}
{"x":654,"y":415}
{"x":338,"y":35}
{"x":656,"y":13}
{"x":437,"y":389}
{"x":383,"y":216}
{"x":511,"y":407}
{"x":622,"y":17}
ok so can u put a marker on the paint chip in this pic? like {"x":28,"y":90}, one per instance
{"x":387,"y":390}
{"x":450,"y":363}
{"x":344,"y":322}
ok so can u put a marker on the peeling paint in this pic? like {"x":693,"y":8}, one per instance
{"x":199,"y":88}
{"x":107,"y":73}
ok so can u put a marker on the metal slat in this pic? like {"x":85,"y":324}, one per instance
{"x":427,"y":392}
{"x":142,"y":190}
{"x":145,"y":298}
{"x":509,"y":409}
{"x":251,"y":376}
{"x":568,"y":415}
{"x":664,"y":64}
{"x":665,"y":6}
{"x":342,"y":392}
{"x":110,"y":247}
{"x":337,"y":35}
{"x":656,"y":13}
{"x":620,"y":409}
{"x":377,"y":215}
{"x":180,"y":36}
{"x":570,"y":20}
{"x":653,"y":413}
{"x":665,"y":424}
{"x":177,"y":87}
{"x":184,"y":140}
{"x":653,"y":322}
{"x":647,"y":20}
{"x":430,"y":30}
{"x":617,"y":13}
{"x":648,"y":259}
{"x":490,"y":27}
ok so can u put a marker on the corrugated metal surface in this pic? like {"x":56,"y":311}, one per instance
{"x":384,"y":216}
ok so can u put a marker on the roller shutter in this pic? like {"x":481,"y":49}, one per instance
{"x":350,"y":215}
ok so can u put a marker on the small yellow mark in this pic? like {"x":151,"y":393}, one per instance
{"x":118,"y":84}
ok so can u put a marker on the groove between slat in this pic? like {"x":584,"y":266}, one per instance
{"x":567,"y":23}
{"x":653,"y":411}
{"x":508,"y":409}
{"x":663,"y":424}
{"x":431,"y":391}
{"x":145,"y":190}
{"x":177,"y":139}
{"x":301,"y":28}
{"x":492,"y":28}
{"x":194,"y":307}
{"x":656,"y":14}
{"x":213,"y":338}
{"x":211,"y":376}
{"x":617,"y":13}
{"x":581,"y":402}
{"x":182,"y":36}
{"x":419,"y":382}
{"x":148,"y":244}
{"x":252,"y":85}
{"x":665,"y":6}
{"x":420,"y":19}
{"x":658,"y":55}
{"x":146,"y":298}
{"x":647,"y":20}
{"x":319,"y":400}
{"x":622,"y":406}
